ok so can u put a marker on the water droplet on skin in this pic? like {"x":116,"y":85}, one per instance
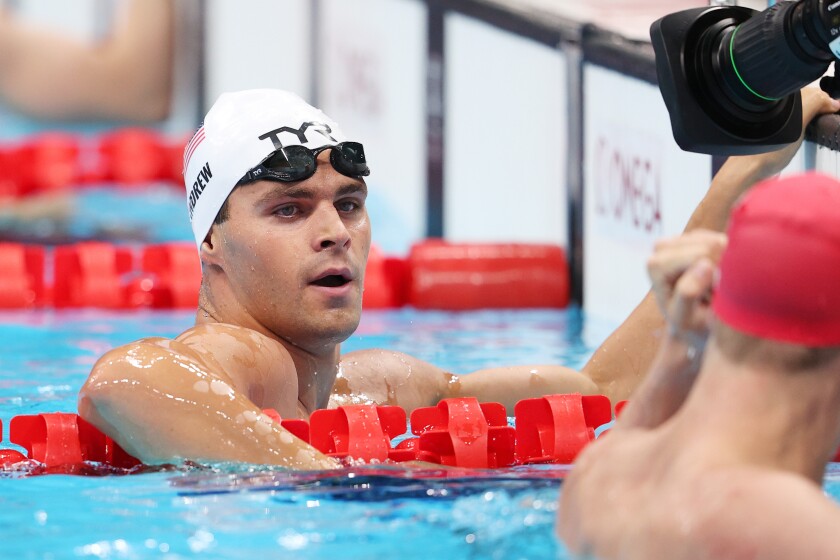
{"x":250,"y":415}
{"x":304,"y":456}
{"x":220,"y":387}
{"x":263,"y":426}
{"x":286,"y":438}
{"x":201,"y":386}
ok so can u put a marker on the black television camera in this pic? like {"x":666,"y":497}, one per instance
{"x":730,"y":76}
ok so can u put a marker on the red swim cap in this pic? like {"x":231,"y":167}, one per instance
{"x":780,"y":273}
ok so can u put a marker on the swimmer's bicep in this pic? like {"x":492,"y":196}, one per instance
{"x":389,"y":377}
{"x":263,"y":371}
{"x":159,"y":405}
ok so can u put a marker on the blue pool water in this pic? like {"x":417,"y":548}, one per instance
{"x":240,"y":511}
{"x":236,"y":511}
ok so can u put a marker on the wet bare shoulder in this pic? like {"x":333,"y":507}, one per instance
{"x":258,"y":365}
{"x":387,"y":377}
{"x":754,"y":512}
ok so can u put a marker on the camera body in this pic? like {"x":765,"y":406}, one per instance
{"x":731,"y":76}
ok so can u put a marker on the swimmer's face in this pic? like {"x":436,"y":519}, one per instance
{"x":294,"y":255}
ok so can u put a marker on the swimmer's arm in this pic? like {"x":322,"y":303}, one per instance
{"x":511,"y":384}
{"x":618,"y":366}
{"x":163,"y":406}
{"x":666,"y":387}
{"x":126,"y":76}
{"x":739,"y":173}
{"x":387,"y":377}
{"x":686,"y":303}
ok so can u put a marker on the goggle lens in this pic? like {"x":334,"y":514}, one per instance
{"x":349,"y":158}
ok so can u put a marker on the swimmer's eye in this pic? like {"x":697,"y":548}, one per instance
{"x":286,"y":211}
{"x":348,"y":205}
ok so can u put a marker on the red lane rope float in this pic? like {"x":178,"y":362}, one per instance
{"x":359,"y":432}
{"x":465,"y":433}
{"x":461,"y":276}
{"x":40,"y":165}
{"x":436,"y":275}
{"x":457,"y":432}
{"x":555,"y":428}
{"x":102,"y":275}
{"x":9,"y":456}
{"x":21,"y":276}
{"x":90,"y":272}
{"x":56,"y":161}
{"x":62,"y":441}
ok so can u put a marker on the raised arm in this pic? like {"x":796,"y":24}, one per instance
{"x":619,"y":364}
{"x":126,"y":76}
{"x":164,"y":402}
{"x":685,"y":304}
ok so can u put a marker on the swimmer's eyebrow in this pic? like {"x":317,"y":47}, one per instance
{"x":356,"y":188}
{"x":287,"y":191}
{"x":304,"y":193}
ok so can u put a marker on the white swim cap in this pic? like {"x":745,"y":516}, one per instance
{"x":239,"y":131}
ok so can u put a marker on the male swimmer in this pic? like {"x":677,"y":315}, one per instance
{"x":276,"y":197}
{"x":727,"y":461}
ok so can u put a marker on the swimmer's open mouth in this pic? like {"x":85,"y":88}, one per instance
{"x":334,"y":278}
{"x":331,"y":281}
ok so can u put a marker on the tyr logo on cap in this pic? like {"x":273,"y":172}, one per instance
{"x":300,"y":133}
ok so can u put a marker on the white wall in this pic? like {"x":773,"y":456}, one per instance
{"x":256,"y":44}
{"x":639,"y":186}
{"x":372,"y":81}
{"x":506,"y":136}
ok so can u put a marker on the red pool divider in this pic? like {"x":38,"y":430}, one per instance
{"x":133,"y":157}
{"x":9,"y":457}
{"x":386,"y":281}
{"x":463,"y":432}
{"x":457,"y":432}
{"x":168,"y":275}
{"x":127,"y":157}
{"x":555,"y":428}
{"x":47,"y":163}
{"x":22,"y":276}
{"x":64,"y":439}
{"x":362,"y":432}
{"x":176,"y":272}
{"x":461,"y":276}
{"x":10,"y":185}
{"x":90,"y":275}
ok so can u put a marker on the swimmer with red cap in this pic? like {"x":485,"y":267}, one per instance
{"x":722,"y":450}
{"x":276,"y":193}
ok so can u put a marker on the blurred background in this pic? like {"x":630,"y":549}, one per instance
{"x":533,"y":121}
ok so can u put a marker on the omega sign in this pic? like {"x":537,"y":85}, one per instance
{"x":627,"y":187}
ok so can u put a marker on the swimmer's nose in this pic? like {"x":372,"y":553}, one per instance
{"x":331,"y":231}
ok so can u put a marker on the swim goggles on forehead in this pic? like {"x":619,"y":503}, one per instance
{"x":296,"y":163}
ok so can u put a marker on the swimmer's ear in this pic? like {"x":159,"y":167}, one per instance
{"x":209,"y":251}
